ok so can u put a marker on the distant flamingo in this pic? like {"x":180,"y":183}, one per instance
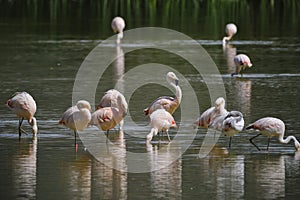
{"x":170,"y":104}
{"x":160,"y":120}
{"x":118,"y":24}
{"x":210,"y":114}
{"x":230,"y":124}
{"x":108,"y":117}
{"x":241,"y":61}
{"x":24,"y":106}
{"x":77,"y":117}
{"x":270,"y":126}
{"x":230,"y":31}
{"x":110,"y":99}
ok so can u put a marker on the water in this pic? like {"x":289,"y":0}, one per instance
{"x":48,"y":167}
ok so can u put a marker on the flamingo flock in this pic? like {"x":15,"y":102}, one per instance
{"x":113,"y":107}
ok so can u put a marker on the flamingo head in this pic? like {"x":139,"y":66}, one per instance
{"x":220,"y":102}
{"x":172,"y":78}
{"x":83,"y":104}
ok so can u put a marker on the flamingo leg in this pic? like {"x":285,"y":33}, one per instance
{"x":168,"y":135}
{"x":253,"y":142}
{"x":75,"y":142}
{"x":230,"y":138}
{"x":20,"y":124}
{"x":269,"y":138}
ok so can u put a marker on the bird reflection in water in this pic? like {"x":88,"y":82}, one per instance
{"x":166,"y":178}
{"x":25,"y":170}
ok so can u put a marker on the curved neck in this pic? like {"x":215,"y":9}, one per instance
{"x":225,"y":39}
{"x":178,"y":92}
{"x":152,"y":133}
{"x":33,"y":123}
{"x":288,"y":139}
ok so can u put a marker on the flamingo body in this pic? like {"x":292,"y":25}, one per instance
{"x":107,"y":118}
{"x":160,"y":120}
{"x":110,"y":99}
{"x":170,"y":104}
{"x":118,"y":25}
{"x":229,"y":123}
{"x":210,"y":114}
{"x":272,"y":127}
{"x":241,"y":62}
{"x":25,"y":107}
{"x":77,"y":117}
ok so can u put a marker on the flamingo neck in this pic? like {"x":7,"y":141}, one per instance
{"x":178,"y":92}
{"x":33,"y":123}
{"x":288,"y":139}
{"x":119,"y":37}
{"x":152,"y":133}
{"x":225,"y":39}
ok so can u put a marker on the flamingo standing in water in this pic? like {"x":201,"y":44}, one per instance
{"x":107,"y":118}
{"x":24,"y":106}
{"x":210,"y":114}
{"x":230,"y":31}
{"x":118,"y":25}
{"x":160,"y":120}
{"x":230,"y":124}
{"x":270,"y":126}
{"x":77,"y":117}
{"x":110,"y":99}
{"x":170,"y":104}
{"x":241,"y":61}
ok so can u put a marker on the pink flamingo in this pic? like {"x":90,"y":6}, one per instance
{"x":110,"y":99}
{"x":108,"y":117}
{"x":241,"y":61}
{"x":77,"y":117}
{"x":271,"y":127}
{"x":230,"y":124}
{"x":210,"y":114}
{"x":24,"y":106}
{"x":118,"y":24}
{"x":230,"y":31}
{"x":160,"y":120}
{"x":170,"y":104}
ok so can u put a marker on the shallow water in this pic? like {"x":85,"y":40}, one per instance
{"x":49,"y":167}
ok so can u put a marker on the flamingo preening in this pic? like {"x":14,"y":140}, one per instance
{"x":170,"y":104}
{"x":160,"y":120}
{"x":110,"y":99}
{"x":229,"y":124}
{"x":107,"y":118}
{"x":118,"y":25}
{"x":77,"y":117}
{"x":210,"y":114}
{"x":271,"y":127}
{"x":25,"y":107}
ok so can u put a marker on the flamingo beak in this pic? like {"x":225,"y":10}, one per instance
{"x":176,"y":82}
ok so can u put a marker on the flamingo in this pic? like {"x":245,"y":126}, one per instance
{"x":270,"y":126}
{"x":230,"y":124}
{"x":160,"y":120}
{"x":230,"y":30}
{"x":210,"y":114}
{"x":107,"y":118}
{"x":241,"y":61}
{"x":170,"y":104}
{"x":77,"y":117}
{"x":110,"y":99}
{"x":24,"y":106}
{"x":118,"y":24}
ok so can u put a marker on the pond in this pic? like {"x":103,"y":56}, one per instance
{"x":43,"y":46}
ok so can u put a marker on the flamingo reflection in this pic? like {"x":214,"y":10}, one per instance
{"x":25,"y":170}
